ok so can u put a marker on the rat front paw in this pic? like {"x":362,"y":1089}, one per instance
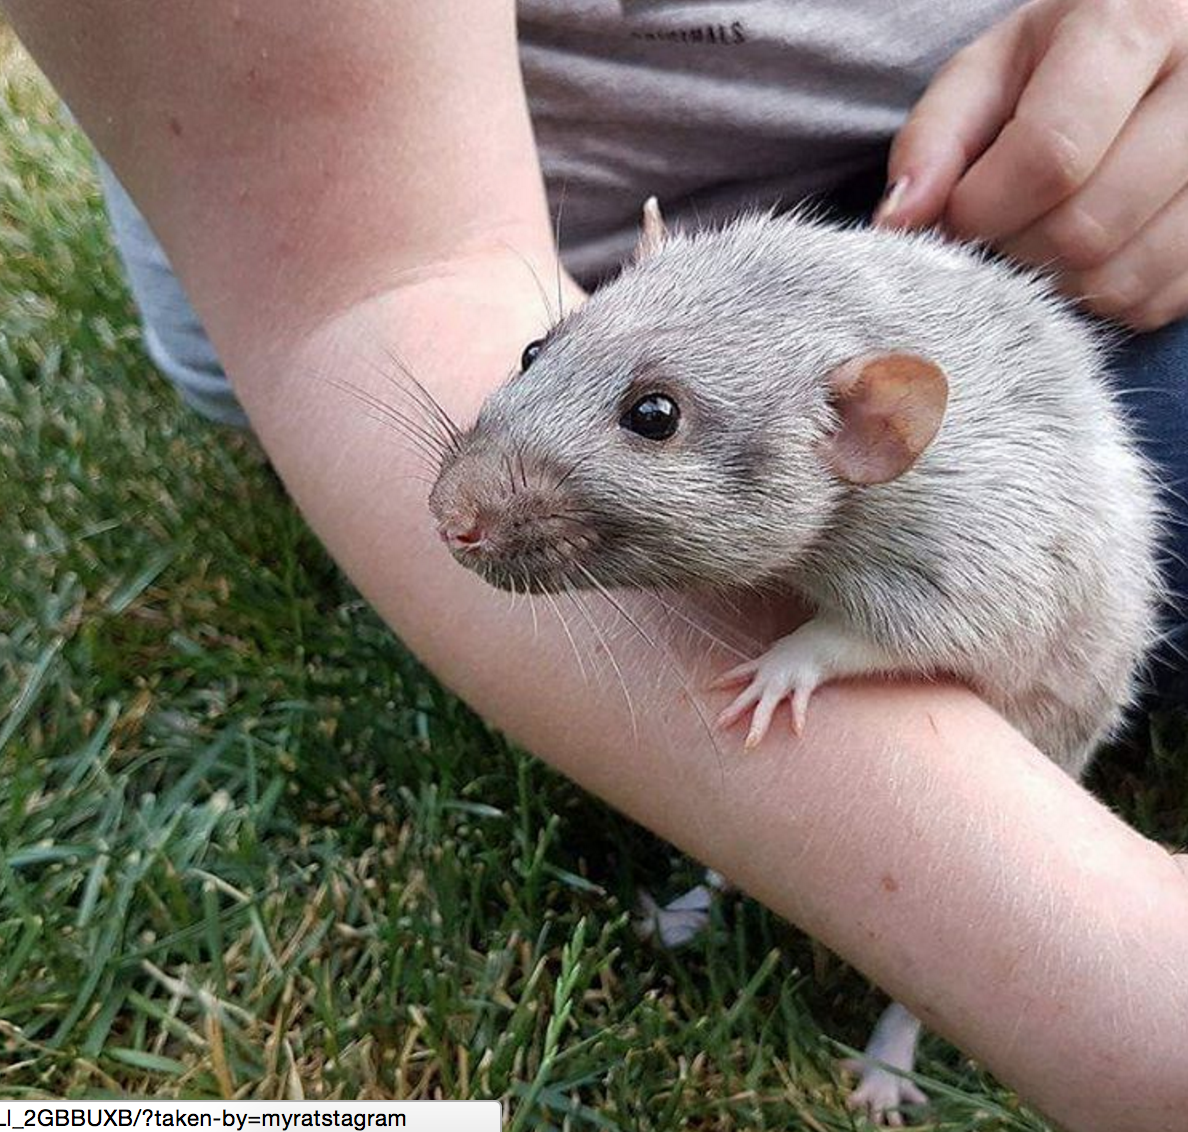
{"x":794,"y":667}
{"x":790,"y":669}
{"x":880,"y":1094}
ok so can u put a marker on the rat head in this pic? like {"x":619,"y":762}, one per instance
{"x":667,"y":433}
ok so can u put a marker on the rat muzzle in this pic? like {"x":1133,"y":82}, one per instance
{"x":511,"y":520}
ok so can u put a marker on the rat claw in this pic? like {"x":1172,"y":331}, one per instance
{"x":742,"y":704}
{"x":801,"y":695}
{"x":880,"y":1094}
{"x":912,"y":1094}
{"x":736,"y":675}
{"x":761,"y":719}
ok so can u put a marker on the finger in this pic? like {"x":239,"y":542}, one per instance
{"x":912,"y":1094}
{"x":761,"y":720}
{"x":1150,"y":263}
{"x":801,"y":695}
{"x":956,"y":119}
{"x":735,"y":676}
{"x":1099,"y":63}
{"x":731,"y":715}
{"x":1143,"y":170}
{"x":1169,"y":305}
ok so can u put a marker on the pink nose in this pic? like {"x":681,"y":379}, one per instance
{"x":458,"y":536}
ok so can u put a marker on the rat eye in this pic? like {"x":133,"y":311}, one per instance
{"x":529,"y":354}
{"x":654,"y":417}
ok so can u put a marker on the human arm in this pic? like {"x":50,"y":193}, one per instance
{"x":302,"y":159}
{"x":1058,"y":137}
{"x":802,"y":825}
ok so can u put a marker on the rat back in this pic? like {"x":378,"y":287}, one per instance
{"x":1019,"y":553}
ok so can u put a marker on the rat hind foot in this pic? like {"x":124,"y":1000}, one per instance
{"x":881,"y":1092}
{"x":793,"y":668}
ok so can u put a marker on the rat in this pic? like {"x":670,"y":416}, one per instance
{"x":917,"y":439}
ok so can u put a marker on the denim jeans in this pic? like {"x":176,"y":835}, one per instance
{"x":1151,"y":374}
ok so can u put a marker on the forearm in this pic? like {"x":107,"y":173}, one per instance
{"x":910,"y":829}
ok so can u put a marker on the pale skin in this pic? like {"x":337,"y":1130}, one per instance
{"x":328,"y":189}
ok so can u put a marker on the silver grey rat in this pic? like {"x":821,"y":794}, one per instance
{"x":916,"y":438}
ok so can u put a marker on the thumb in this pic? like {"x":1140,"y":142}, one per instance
{"x":958,"y":116}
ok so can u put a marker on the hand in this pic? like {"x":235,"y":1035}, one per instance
{"x":1060,"y":137}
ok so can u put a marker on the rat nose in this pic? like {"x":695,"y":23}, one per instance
{"x":462,"y":535}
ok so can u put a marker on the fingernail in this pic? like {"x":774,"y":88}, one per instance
{"x":892,"y":199}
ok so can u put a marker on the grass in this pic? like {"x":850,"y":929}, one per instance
{"x":249,"y":848}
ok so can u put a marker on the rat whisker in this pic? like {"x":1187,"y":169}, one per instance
{"x":724,"y":627}
{"x":422,"y":464}
{"x":564,"y":541}
{"x":608,"y":597}
{"x":425,"y":445}
{"x":551,"y":599}
{"x":573,"y":513}
{"x":415,"y":431}
{"x":581,"y":608}
{"x":557,"y":248}
{"x":573,"y":468}
{"x":664,"y":652}
{"x":544,"y":295}
{"x":703,"y":630}
{"x":520,"y":464}
{"x":511,"y":478}
{"x":427,"y":459}
{"x":429,"y":414}
{"x":419,"y":386}
{"x":1128,"y":390}
{"x":431,"y":403}
{"x":531,"y":605}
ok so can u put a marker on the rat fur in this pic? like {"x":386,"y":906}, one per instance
{"x":1018,"y":553}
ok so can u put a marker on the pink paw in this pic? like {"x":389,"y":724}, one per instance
{"x":786,"y":671}
{"x":880,"y":1094}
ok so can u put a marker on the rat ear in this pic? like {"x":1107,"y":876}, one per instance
{"x":653,"y":231}
{"x":889,"y":408}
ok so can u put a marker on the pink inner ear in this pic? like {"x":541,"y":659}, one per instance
{"x":889,"y":407}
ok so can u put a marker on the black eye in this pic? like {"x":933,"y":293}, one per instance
{"x":654,"y":417}
{"x":529,"y":354}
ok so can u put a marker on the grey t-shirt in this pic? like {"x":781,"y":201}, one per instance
{"x":708,"y":105}
{"x":711,"y":105}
